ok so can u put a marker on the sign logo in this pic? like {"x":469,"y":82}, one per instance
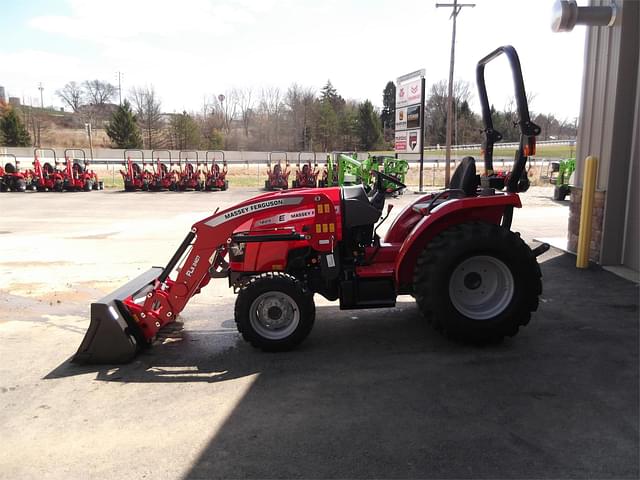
{"x":252,"y":208}
{"x":413,"y":140}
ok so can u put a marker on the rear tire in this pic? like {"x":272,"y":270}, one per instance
{"x":274,"y":312}
{"x":477,"y":282}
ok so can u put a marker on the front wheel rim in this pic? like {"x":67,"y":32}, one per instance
{"x":274,"y":315}
{"x":481,"y":287}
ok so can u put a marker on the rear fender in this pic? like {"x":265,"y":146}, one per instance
{"x":488,"y":209}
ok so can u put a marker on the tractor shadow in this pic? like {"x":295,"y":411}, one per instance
{"x":377,"y":393}
{"x":220,"y":354}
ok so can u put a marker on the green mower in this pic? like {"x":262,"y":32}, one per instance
{"x":561,"y":177}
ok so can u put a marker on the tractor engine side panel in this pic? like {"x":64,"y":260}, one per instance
{"x":318,"y":216}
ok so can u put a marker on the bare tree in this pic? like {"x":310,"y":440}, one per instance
{"x":270,"y":108}
{"x":72,"y":95}
{"x":148,"y":114}
{"x":99,"y":93}
{"x":299,"y":103}
{"x":225,"y":107}
{"x":245,"y":104}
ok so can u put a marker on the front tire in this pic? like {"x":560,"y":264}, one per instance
{"x":274,"y":312}
{"x":477,"y":282}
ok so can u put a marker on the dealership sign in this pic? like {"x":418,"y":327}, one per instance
{"x":409,"y":106}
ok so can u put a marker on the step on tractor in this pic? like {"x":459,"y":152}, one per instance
{"x":46,"y":176}
{"x":162,"y":179}
{"x":215,"y":177}
{"x":189,"y":175}
{"x":306,"y":175}
{"x":453,"y":250}
{"x":277,"y":176}
{"x":11,"y":178}
{"x":134,"y":176}
{"x":77,"y":175}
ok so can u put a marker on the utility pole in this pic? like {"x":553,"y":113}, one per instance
{"x":119,"y":86}
{"x":88,"y":127}
{"x":41,"y":88}
{"x":457,"y":7}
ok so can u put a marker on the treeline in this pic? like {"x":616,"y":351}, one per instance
{"x":295,"y":119}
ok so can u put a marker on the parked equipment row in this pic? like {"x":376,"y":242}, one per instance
{"x":71,"y":175}
{"x":341,"y":169}
{"x":180,"y":175}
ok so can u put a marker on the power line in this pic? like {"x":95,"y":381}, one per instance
{"x":456,"y":8}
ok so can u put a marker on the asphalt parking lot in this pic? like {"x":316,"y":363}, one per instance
{"x":368,"y":394}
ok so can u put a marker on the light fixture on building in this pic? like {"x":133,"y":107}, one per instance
{"x":567,"y":14}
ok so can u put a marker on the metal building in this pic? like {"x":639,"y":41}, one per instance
{"x":609,"y":130}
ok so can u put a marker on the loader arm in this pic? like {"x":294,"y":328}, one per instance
{"x":130,"y":318}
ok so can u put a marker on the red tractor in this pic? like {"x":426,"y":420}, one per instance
{"x":307,"y":175}
{"x":135,"y":177}
{"x":189,"y":175}
{"x":278,"y":177}
{"x":77,"y":175}
{"x":215,"y":177}
{"x":163,"y":178}
{"x":46,"y":176}
{"x":11,"y":178}
{"x":453,"y":251}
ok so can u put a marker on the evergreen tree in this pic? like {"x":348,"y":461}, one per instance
{"x":185,"y":132}
{"x":123,"y":129}
{"x":329,"y":94}
{"x":327,"y":125}
{"x":213,"y":140}
{"x":12,"y":130}
{"x":368,"y":126}
{"x":388,"y":115}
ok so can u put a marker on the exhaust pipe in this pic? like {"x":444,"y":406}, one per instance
{"x":113,"y":336}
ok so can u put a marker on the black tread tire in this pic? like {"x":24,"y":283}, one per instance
{"x":21,"y":185}
{"x":268,"y":282}
{"x":88,"y":186}
{"x":557,"y":192}
{"x":437,"y":262}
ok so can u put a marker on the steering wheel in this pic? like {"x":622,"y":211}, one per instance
{"x":379,"y":193}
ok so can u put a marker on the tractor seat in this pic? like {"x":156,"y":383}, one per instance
{"x":357,"y":207}
{"x":465,"y":178}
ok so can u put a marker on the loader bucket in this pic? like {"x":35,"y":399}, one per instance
{"x":113,"y":335}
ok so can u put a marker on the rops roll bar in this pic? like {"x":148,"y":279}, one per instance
{"x":528,"y":129}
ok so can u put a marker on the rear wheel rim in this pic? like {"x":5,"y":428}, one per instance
{"x":481,"y":287}
{"x":274,"y":315}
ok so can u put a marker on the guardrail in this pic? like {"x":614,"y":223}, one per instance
{"x":477,"y":146}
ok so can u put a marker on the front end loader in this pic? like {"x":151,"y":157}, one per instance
{"x":453,"y":250}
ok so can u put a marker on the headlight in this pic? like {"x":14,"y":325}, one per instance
{"x":236,"y":252}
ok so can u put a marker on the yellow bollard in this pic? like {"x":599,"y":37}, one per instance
{"x":586,"y":211}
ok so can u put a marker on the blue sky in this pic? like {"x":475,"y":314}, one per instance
{"x":193,"y":49}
